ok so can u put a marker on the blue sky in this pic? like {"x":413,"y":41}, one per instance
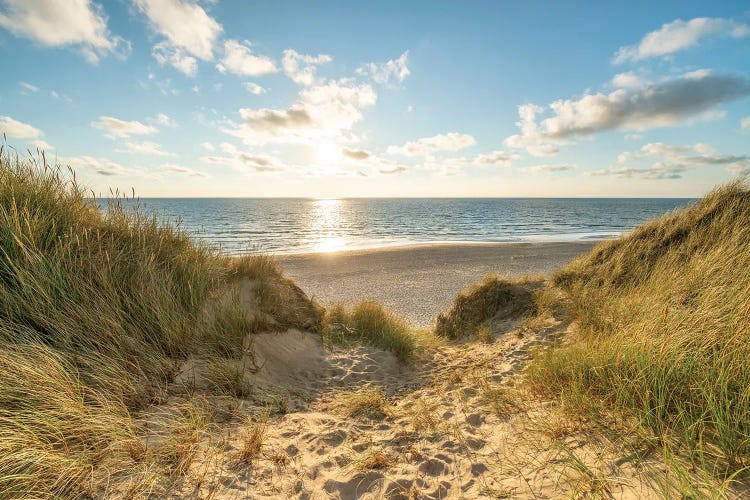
{"x":334,"y":99}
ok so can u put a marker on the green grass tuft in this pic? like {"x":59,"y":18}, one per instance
{"x":494,"y":298}
{"x":371,"y":323}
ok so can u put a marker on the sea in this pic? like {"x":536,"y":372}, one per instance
{"x":293,"y":225}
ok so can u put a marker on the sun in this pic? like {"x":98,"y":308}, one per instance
{"x":327,"y":154}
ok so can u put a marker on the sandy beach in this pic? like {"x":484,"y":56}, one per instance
{"x":420,"y":281}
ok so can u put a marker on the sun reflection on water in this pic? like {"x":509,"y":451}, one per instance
{"x":327,"y":222}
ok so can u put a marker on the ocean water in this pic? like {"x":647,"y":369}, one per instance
{"x":287,"y":226}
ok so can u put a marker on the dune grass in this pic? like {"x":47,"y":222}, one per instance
{"x":663,"y":331}
{"x":98,"y":310}
{"x":490,"y":299}
{"x":371,"y":323}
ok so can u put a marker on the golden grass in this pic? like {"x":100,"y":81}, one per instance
{"x":368,"y":401}
{"x":253,"y":439}
{"x":98,"y":311}
{"x":493,"y":298}
{"x":371,"y":323}
{"x":664,"y":332}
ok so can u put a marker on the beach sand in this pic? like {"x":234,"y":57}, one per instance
{"x":419,"y":281}
{"x":353,"y":421}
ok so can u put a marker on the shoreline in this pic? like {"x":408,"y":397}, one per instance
{"x":419,"y":281}
{"x":582,"y":238}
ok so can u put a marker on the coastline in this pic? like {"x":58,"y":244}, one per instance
{"x":419,"y":281}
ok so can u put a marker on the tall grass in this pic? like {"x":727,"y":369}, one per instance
{"x":493,"y":298}
{"x":97,"y":311}
{"x":371,"y":323}
{"x":664,"y":330}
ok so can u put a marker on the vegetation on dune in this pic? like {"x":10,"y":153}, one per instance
{"x":97,"y":312}
{"x":371,"y":323}
{"x":492,"y":299}
{"x":664,"y":330}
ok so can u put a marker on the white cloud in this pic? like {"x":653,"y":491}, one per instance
{"x":114,"y":127}
{"x":254,"y":88}
{"x":240,"y":60}
{"x":18,"y":130}
{"x":671,"y":162}
{"x":745,"y":123}
{"x":188,"y":30}
{"x":208,"y":146}
{"x":531,"y":138}
{"x":244,"y":160}
{"x":27,"y":87}
{"x":426,"y":146}
{"x":668,"y":103}
{"x":72,"y":23}
{"x":178,"y":169}
{"x":679,"y":35}
{"x":145,"y":148}
{"x":322,"y":112}
{"x":42,"y":145}
{"x":497,"y":158}
{"x":549,"y":168}
{"x":99,"y":166}
{"x":163,"y":120}
{"x":301,"y":68}
{"x":166,"y":53}
{"x":383,"y":73}
{"x":628,"y":80}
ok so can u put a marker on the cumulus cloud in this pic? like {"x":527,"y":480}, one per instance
{"x":239,"y":59}
{"x":179,"y":169}
{"x":427,"y":146}
{"x":42,"y":145}
{"x":497,"y":158}
{"x":355,"y":154}
{"x":679,"y":35}
{"x":301,"y":68}
{"x":116,"y":128}
{"x":671,"y":162}
{"x":167,"y":54}
{"x":208,"y":146}
{"x":74,"y":23}
{"x":99,"y":166}
{"x":244,"y":160}
{"x":254,"y":88}
{"x":383,"y":73}
{"x":18,"y":130}
{"x":145,"y":148}
{"x":322,"y":112}
{"x":549,"y":168}
{"x":690,"y":96}
{"x":745,"y":123}
{"x":188,"y":30}
{"x":627,"y":80}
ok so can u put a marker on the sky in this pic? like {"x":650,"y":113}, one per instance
{"x":230,"y":98}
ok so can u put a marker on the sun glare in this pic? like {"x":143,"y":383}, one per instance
{"x":327,"y":154}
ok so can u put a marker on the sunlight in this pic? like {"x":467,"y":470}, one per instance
{"x":326,"y":218}
{"x":327,"y":153}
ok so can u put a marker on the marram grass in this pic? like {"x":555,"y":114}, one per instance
{"x":98,"y":309}
{"x":664,"y":330}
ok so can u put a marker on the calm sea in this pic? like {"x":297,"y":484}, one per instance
{"x":284,"y":226}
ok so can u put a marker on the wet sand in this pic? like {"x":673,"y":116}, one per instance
{"x":421,"y":280}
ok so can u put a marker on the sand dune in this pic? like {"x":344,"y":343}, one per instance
{"x":449,"y":425}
